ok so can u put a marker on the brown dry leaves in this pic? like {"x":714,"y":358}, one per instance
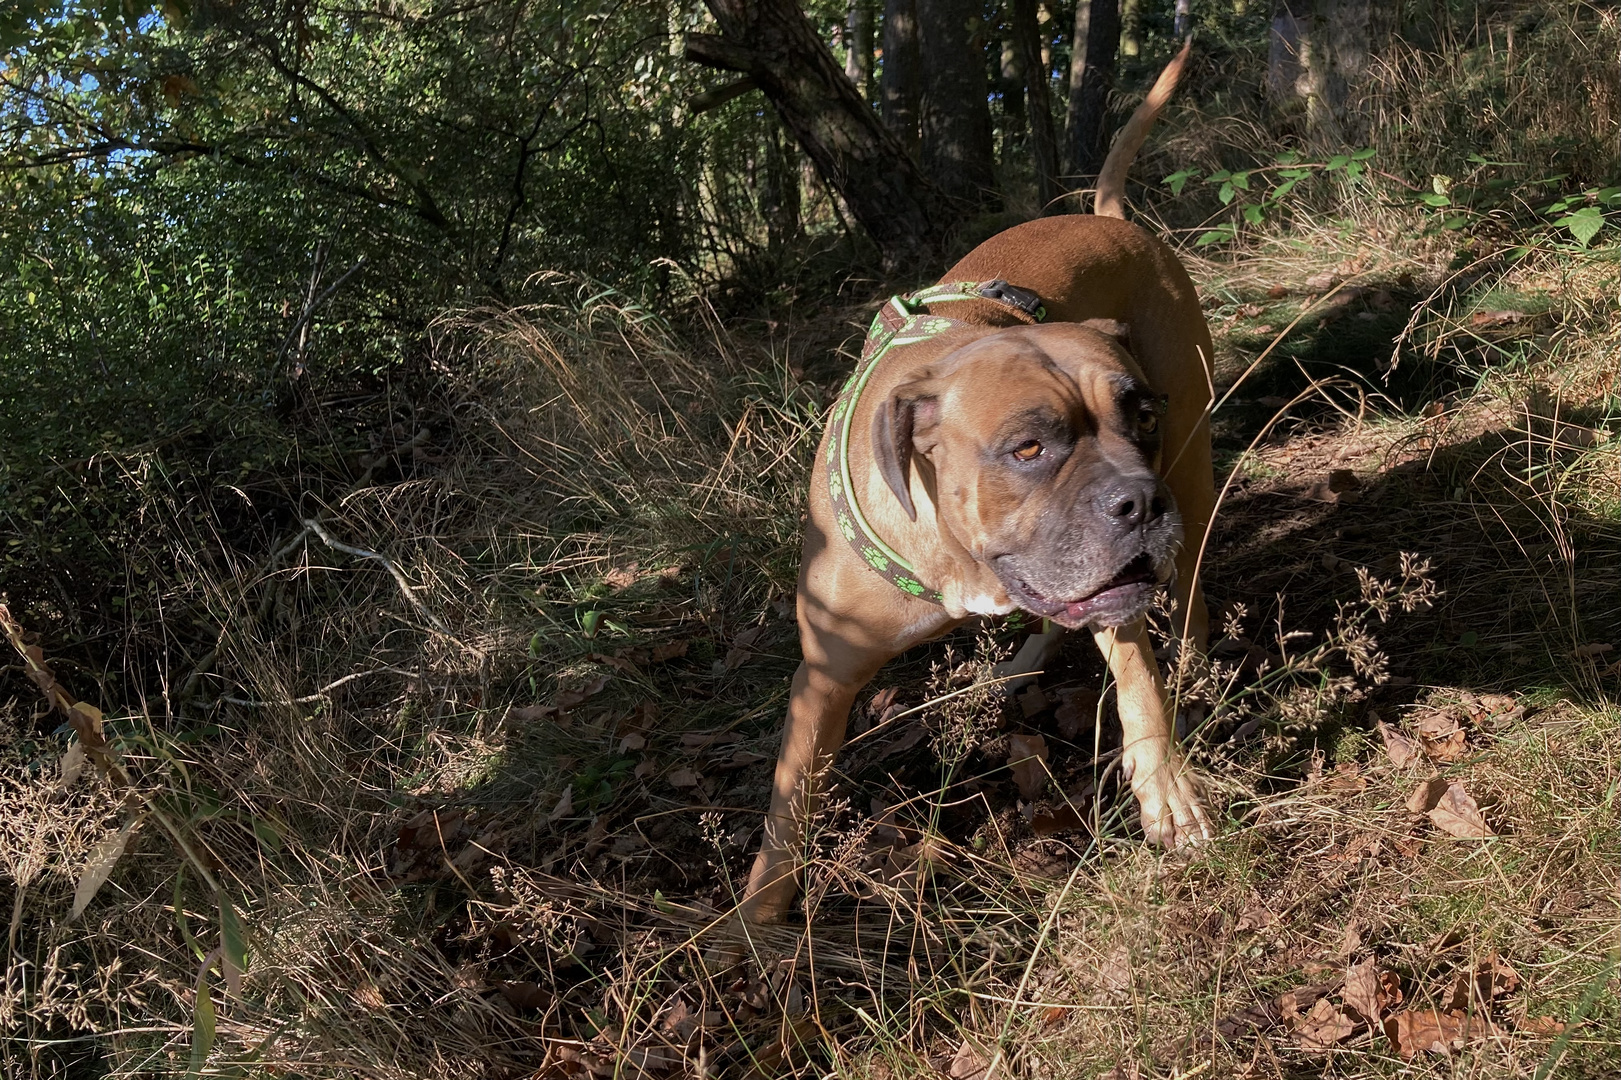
{"x":1027,"y":761}
{"x":1369,"y":1004}
{"x":1438,"y":731}
{"x":1452,"y":809}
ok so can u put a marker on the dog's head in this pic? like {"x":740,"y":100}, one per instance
{"x":1039,"y":447}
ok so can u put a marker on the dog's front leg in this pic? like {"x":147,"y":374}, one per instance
{"x":818,"y":711}
{"x":1171,"y":808}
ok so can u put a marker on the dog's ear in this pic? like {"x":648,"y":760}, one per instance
{"x":895,"y":423}
{"x":1120,"y":331}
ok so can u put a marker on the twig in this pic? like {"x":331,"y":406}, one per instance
{"x":312,"y":307}
{"x":399,"y":578}
{"x":320,"y":694}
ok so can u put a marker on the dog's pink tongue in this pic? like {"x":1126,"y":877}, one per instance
{"x":1077,"y":610}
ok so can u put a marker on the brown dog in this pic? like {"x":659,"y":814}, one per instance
{"x":988,"y":455}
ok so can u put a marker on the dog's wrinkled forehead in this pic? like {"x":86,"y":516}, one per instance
{"x":1065,"y":365}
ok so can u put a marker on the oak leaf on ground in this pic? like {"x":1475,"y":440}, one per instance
{"x":1027,"y":760}
{"x":1457,"y":814}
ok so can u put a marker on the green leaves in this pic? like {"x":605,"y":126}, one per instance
{"x":1584,"y":224}
{"x":1273,"y":184}
{"x":1177,"y":180}
{"x":233,"y":946}
{"x":1587,"y":220}
{"x":202,"y":1030}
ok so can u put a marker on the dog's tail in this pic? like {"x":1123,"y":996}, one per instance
{"x":1110,"y":200}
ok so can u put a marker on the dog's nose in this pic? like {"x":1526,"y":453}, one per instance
{"x":1131,"y":504}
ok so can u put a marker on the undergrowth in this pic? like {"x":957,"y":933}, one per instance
{"x":477,"y":759}
{"x":438,"y":736}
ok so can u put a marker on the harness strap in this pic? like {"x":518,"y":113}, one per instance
{"x":901,"y":321}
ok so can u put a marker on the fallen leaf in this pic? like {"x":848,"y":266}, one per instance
{"x":72,"y":763}
{"x":670,"y":650}
{"x":1425,"y":797}
{"x":1540,"y":1025}
{"x":571,"y":699}
{"x":742,"y":648}
{"x":1249,"y":311}
{"x":1325,"y":1025}
{"x":1418,"y":1030}
{"x":1277,"y":292}
{"x":1115,"y":973}
{"x":1077,"y":711}
{"x":529,"y":714}
{"x":1363,"y":991}
{"x":1027,"y":761}
{"x":1062,"y":819}
{"x":528,"y":996}
{"x":1283,"y":1009}
{"x":1398,"y":747}
{"x":565,"y":806}
{"x":632,"y":743}
{"x":1320,"y":283}
{"x":1439,"y":733}
{"x":683,"y":778}
{"x":1351,"y":939}
{"x":617,"y":662}
{"x":1475,"y":989}
{"x":911,"y":738}
{"x":1592,"y":650}
{"x":698,"y":740}
{"x":1457,"y":813}
{"x":1256,"y":915}
{"x":740,"y":760}
{"x":971,"y":1062}
{"x":880,"y":702}
{"x":1347,"y":776}
{"x":621,"y":577}
{"x":1290,"y":1004}
{"x":1032,"y":702}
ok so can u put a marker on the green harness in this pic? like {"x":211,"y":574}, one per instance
{"x":903,"y":320}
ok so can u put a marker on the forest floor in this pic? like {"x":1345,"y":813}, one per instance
{"x":487,"y":815}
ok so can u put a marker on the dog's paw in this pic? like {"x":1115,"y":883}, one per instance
{"x":1173,"y":812}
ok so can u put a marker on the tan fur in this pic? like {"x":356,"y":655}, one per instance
{"x":1110,"y":201}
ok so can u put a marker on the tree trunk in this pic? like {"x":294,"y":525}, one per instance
{"x":858,"y":46}
{"x":900,"y":87}
{"x":1283,"y":67}
{"x":1012,"y":88}
{"x":774,"y":42}
{"x":1131,"y":28}
{"x":779,"y":195}
{"x":1091,"y":73}
{"x":1038,"y":104}
{"x":1328,"y":45}
{"x":1182,"y":23}
{"x":958,"y":149}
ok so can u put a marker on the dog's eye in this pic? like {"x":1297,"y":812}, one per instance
{"x":1028,"y":450}
{"x":1147,"y":421}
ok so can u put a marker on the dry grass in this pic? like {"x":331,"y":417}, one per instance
{"x":508,"y":844}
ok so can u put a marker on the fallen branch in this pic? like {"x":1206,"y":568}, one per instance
{"x":399,"y":577}
{"x":319,"y":695}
